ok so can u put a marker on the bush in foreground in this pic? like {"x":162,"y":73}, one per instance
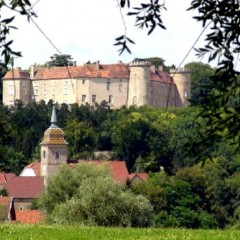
{"x":88,"y":195}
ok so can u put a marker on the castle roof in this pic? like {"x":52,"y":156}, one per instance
{"x":88,"y":71}
{"x":118,"y":70}
{"x":17,"y":73}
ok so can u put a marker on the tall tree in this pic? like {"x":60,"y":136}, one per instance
{"x":58,"y":60}
{"x":201,"y":81}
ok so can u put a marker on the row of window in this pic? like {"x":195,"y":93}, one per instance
{"x":94,"y":98}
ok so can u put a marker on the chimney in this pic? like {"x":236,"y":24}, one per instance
{"x":48,"y":65}
{"x":160,"y":68}
{"x":74,"y":63}
{"x":153,"y":68}
{"x":32,"y":73}
{"x":98,"y":65}
{"x":120,"y":62}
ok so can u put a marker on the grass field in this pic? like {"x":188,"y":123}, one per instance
{"x":40,"y":232}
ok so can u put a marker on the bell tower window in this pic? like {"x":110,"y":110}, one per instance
{"x":57,"y":154}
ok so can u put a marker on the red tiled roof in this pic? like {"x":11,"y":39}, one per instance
{"x":25,"y":187}
{"x":161,"y":76}
{"x":142,"y":176}
{"x":5,"y":177}
{"x":29,"y":216}
{"x":36,"y":167}
{"x":17,"y":73}
{"x":89,"y":71}
{"x":120,"y":172}
{"x":5,"y":201}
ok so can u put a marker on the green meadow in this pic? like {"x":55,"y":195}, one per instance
{"x":44,"y":232}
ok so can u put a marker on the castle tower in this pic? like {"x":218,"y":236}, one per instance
{"x":16,"y":85}
{"x":53,"y":149}
{"x":139,"y":83}
{"x":182,"y":79}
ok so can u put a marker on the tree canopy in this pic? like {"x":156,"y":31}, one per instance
{"x":88,"y":195}
{"x":60,"y":60}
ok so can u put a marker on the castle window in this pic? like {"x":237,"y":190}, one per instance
{"x":25,"y":91}
{"x":10,"y":83}
{"x":135,"y":100}
{"x":36,"y":83}
{"x":24,"y":83}
{"x":94,"y":98}
{"x":120,"y":87}
{"x":108,"y":85}
{"x":110,"y":99}
{"x":44,"y":154}
{"x":53,"y":91}
{"x":65,"y":90}
{"x":83,"y":81}
{"x":35,"y":91}
{"x":57,"y":154}
{"x":11,"y":91}
{"x":65,"y":82}
{"x":52,"y":83}
{"x":83,"y":98}
{"x":45,"y":87}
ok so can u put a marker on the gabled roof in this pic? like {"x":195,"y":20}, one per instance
{"x":25,"y":187}
{"x":5,"y":177}
{"x":140,"y":176}
{"x":120,"y":172}
{"x":17,"y":73}
{"x":34,"y":166}
{"x":29,"y":216}
{"x":161,"y":76}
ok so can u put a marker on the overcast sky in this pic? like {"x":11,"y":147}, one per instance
{"x":86,"y":29}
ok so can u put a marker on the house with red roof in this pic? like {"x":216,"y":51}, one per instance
{"x":137,"y":83}
{"x":25,"y":190}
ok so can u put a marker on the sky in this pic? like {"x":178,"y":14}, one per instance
{"x":86,"y":29}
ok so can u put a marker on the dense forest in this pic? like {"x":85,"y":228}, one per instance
{"x":182,"y":192}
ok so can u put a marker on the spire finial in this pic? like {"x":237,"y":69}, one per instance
{"x":54,"y":116}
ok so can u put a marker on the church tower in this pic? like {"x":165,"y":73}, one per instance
{"x":53,"y":149}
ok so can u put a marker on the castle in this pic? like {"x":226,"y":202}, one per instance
{"x":137,"y":83}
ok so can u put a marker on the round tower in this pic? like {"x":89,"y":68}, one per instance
{"x":182,"y":79}
{"x":139,"y":83}
{"x":53,"y":149}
